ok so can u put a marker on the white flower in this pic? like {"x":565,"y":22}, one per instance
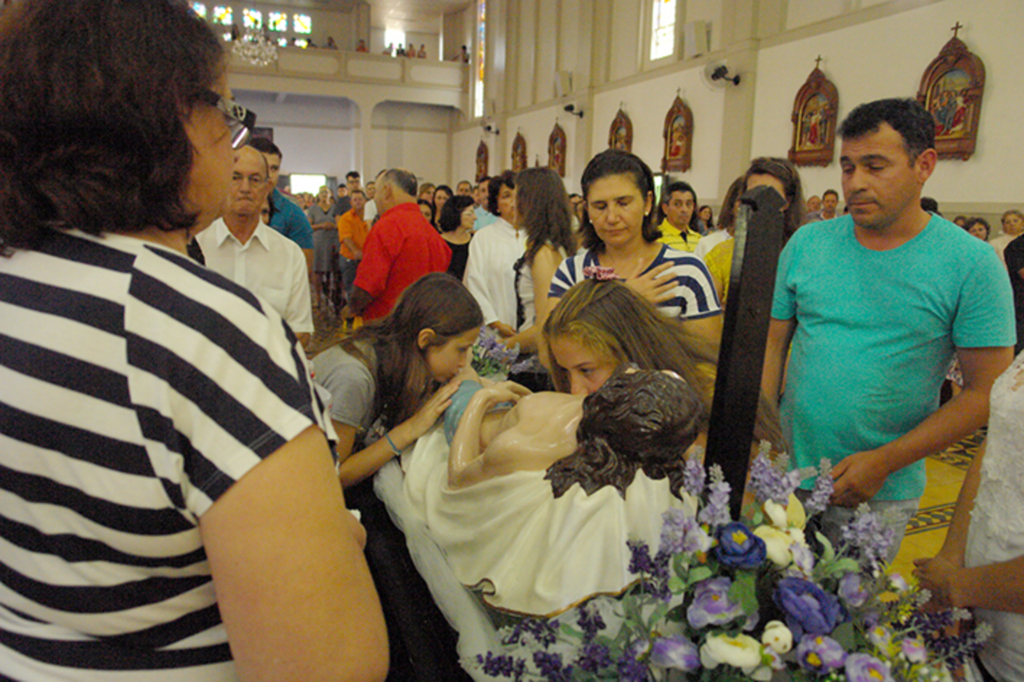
{"x":776,"y":514}
{"x":777,"y":637}
{"x":740,"y":651}
{"x":898,"y":583}
{"x":776,"y":544}
{"x":798,"y":535}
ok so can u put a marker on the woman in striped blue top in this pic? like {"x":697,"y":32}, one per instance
{"x":620,"y":242}
{"x":168,"y":509}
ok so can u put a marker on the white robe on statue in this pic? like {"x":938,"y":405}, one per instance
{"x":528,"y":552}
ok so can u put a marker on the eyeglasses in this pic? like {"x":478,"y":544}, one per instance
{"x":239,"y":119}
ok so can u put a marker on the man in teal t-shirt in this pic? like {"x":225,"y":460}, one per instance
{"x":873,"y":307}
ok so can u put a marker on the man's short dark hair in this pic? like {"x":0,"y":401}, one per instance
{"x":906,"y":116}
{"x":830,"y":191}
{"x":352,"y":175}
{"x":95,"y":95}
{"x":265,"y":146}
{"x":400,"y":178}
{"x":357,"y":191}
{"x":666,"y":196}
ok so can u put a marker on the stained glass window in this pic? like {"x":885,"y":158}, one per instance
{"x":301,"y":42}
{"x":199,"y":8}
{"x":481,"y":55}
{"x":282,"y":42}
{"x":301,"y":23}
{"x":663,"y":29}
{"x":222,"y":15}
{"x":252,"y":18}
{"x":277,"y":21}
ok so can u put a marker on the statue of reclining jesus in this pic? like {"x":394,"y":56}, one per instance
{"x":534,"y":504}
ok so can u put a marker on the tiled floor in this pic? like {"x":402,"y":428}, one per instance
{"x":927,"y":530}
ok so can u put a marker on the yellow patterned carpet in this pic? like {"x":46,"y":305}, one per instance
{"x":927,"y":530}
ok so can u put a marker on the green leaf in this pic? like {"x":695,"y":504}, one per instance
{"x":743,"y":591}
{"x":758,"y":518}
{"x":845,"y":634}
{"x":830,"y":553}
{"x":698,"y":573}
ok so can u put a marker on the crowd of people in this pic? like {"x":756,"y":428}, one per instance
{"x":176,"y":470}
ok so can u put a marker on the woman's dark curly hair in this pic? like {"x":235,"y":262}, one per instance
{"x":639,"y":419}
{"x":92,"y":129}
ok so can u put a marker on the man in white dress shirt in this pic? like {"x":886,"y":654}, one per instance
{"x":242,"y":248}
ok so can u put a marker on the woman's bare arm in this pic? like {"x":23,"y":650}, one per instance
{"x":287,"y":561}
{"x":466,"y":459}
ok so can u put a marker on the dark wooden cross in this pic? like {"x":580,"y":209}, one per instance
{"x":956,"y":29}
{"x":817,"y":62}
{"x":758,"y":242}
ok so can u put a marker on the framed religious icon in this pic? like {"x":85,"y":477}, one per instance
{"x":814,"y":121}
{"x":556,"y":150}
{"x":951,"y":89}
{"x":678,"y":136}
{"x":482,"y":157}
{"x":519,"y":153}
{"x":621,"y":134}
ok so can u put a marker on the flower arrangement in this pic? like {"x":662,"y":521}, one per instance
{"x":492,"y":358}
{"x":729,"y":600}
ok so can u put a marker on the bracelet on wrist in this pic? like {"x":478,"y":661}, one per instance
{"x":394,"y":448}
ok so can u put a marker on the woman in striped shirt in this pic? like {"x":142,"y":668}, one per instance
{"x":168,"y":509}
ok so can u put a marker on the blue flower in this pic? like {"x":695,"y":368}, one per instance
{"x":501,"y":666}
{"x":865,"y":668}
{"x":711,"y":604}
{"x":808,"y":608}
{"x":820,"y":654}
{"x":738,"y":547}
{"x":630,"y":669}
{"x":675,"y":652}
{"x":590,"y":622}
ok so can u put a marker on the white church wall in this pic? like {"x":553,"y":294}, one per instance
{"x":536,"y":127}
{"x":647,"y":104}
{"x":886,"y":58}
{"x":464,"y":144}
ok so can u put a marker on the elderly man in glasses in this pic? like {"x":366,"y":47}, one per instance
{"x":240,"y":246}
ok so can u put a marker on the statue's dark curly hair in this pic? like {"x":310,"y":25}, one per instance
{"x":639,"y":419}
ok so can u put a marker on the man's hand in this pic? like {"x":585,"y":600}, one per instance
{"x":859,"y":477}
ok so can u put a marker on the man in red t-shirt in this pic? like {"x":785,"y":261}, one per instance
{"x":401,"y":248}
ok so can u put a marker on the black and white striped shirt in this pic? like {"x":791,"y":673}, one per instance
{"x":135,"y":387}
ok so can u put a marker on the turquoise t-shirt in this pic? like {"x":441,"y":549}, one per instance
{"x":875,"y":333}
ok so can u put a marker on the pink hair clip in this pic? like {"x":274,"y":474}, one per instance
{"x":599,"y":272}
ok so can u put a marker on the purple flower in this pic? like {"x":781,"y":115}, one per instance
{"x":551,"y":667}
{"x":803,"y":557}
{"x":590,"y":622}
{"x":716,"y":509}
{"x":868,"y":534}
{"x":655,"y":570}
{"x":865,"y":668}
{"x":851,"y":590}
{"x":820,"y":654}
{"x":769,"y":482}
{"x":545,"y":632}
{"x":739,"y":548}
{"x":808,"y":608}
{"x":675,"y":652}
{"x":822,"y":492}
{"x":629,"y":667}
{"x":681,"y":533}
{"x":501,"y":666}
{"x":594,"y":658}
{"x":711,"y":604}
{"x":694,"y":476}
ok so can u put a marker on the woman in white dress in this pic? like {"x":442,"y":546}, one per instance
{"x":981,"y":564}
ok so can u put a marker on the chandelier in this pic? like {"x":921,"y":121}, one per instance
{"x":255,"y":48}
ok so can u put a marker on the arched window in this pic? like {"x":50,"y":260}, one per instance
{"x":663,"y":29}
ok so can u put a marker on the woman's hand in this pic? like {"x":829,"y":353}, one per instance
{"x":503,"y":392}
{"x":504,"y":331}
{"x":938,"y":575}
{"x":425,"y":417}
{"x":650,"y":285}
